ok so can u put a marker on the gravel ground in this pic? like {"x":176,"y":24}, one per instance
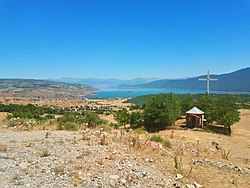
{"x":64,"y":159}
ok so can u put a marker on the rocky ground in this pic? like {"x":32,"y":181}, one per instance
{"x":115,"y":158}
{"x":64,"y":159}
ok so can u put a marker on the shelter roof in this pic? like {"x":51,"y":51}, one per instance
{"x":194,"y":110}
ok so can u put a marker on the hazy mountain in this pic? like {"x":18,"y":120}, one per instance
{"x":104,"y":84}
{"x":28,"y":87}
{"x":235,"y":81}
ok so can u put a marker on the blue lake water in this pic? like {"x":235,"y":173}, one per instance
{"x":135,"y":93}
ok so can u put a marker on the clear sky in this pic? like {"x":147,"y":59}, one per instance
{"x":123,"y":38}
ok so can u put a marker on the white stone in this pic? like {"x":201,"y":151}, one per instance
{"x":188,"y":186}
{"x":197,"y":185}
{"x":114,"y":177}
{"x":178,"y":176}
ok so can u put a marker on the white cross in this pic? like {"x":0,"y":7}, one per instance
{"x":208,"y":79}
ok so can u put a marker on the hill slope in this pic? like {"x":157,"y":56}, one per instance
{"x":104,"y":84}
{"x":31,"y":87}
{"x":235,"y":81}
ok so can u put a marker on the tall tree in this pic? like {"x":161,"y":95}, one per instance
{"x":136,"y":119}
{"x":122,"y":116}
{"x":227,"y":112}
{"x":207,"y":104}
{"x":161,"y":112}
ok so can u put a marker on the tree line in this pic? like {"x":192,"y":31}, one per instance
{"x":29,"y":111}
{"x":158,"y":112}
{"x":161,"y":111}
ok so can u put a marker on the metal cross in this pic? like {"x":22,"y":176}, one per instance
{"x":208,"y":79}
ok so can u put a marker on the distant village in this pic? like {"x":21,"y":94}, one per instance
{"x":68,"y":102}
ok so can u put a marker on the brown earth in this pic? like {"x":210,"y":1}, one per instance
{"x":190,"y":145}
{"x":207,"y":175}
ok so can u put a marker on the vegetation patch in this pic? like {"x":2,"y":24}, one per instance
{"x":161,"y":111}
{"x":45,"y":153}
{"x":158,"y":138}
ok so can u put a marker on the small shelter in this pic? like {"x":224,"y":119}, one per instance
{"x":194,"y":117}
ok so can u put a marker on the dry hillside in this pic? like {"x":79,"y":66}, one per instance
{"x":115,"y":158}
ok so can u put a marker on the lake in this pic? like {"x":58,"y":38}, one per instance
{"x":135,"y":93}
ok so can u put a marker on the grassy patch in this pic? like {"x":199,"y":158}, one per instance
{"x":45,"y":153}
{"x":158,"y":138}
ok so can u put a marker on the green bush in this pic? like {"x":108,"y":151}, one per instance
{"x":29,"y":111}
{"x":114,"y":125}
{"x":92,"y":119}
{"x":136,"y":120}
{"x":140,"y":130}
{"x":156,"y":138}
{"x":167,"y":143}
{"x":50,"y":116}
{"x":122,"y":117}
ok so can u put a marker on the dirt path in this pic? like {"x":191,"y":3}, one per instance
{"x":240,"y":141}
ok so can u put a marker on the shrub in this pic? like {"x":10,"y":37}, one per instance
{"x":12,"y":123}
{"x":105,"y":127}
{"x":114,"y":125}
{"x":92,"y":119}
{"x":177,"y":162}
{"x":122,"y":116}
{"x":136,"y":120}
{"x":156,"y":138}
{"x":69,"y":126}
{"x":140,"y":130}
{"x":45,"y":153}
{"x":167,"y":143}
{"x":50,"y":116}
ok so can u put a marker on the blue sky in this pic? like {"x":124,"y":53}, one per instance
{"x":123,"y":38}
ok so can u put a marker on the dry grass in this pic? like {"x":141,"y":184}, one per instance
{"x":85,"y":136}
{"x":172,"y":134}
{"x":3,"y":148}
{"x":104,"y":140}
{"x":225,"y":154}
{"x":136,"y":143}
{"x":177,"y":162}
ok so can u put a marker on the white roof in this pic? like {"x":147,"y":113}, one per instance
{"x":194,"y":110}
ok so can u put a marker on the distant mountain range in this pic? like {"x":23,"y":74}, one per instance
{"x":104,"y":84}
{"x":32,"y":87}
{"x":235,"y":81}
